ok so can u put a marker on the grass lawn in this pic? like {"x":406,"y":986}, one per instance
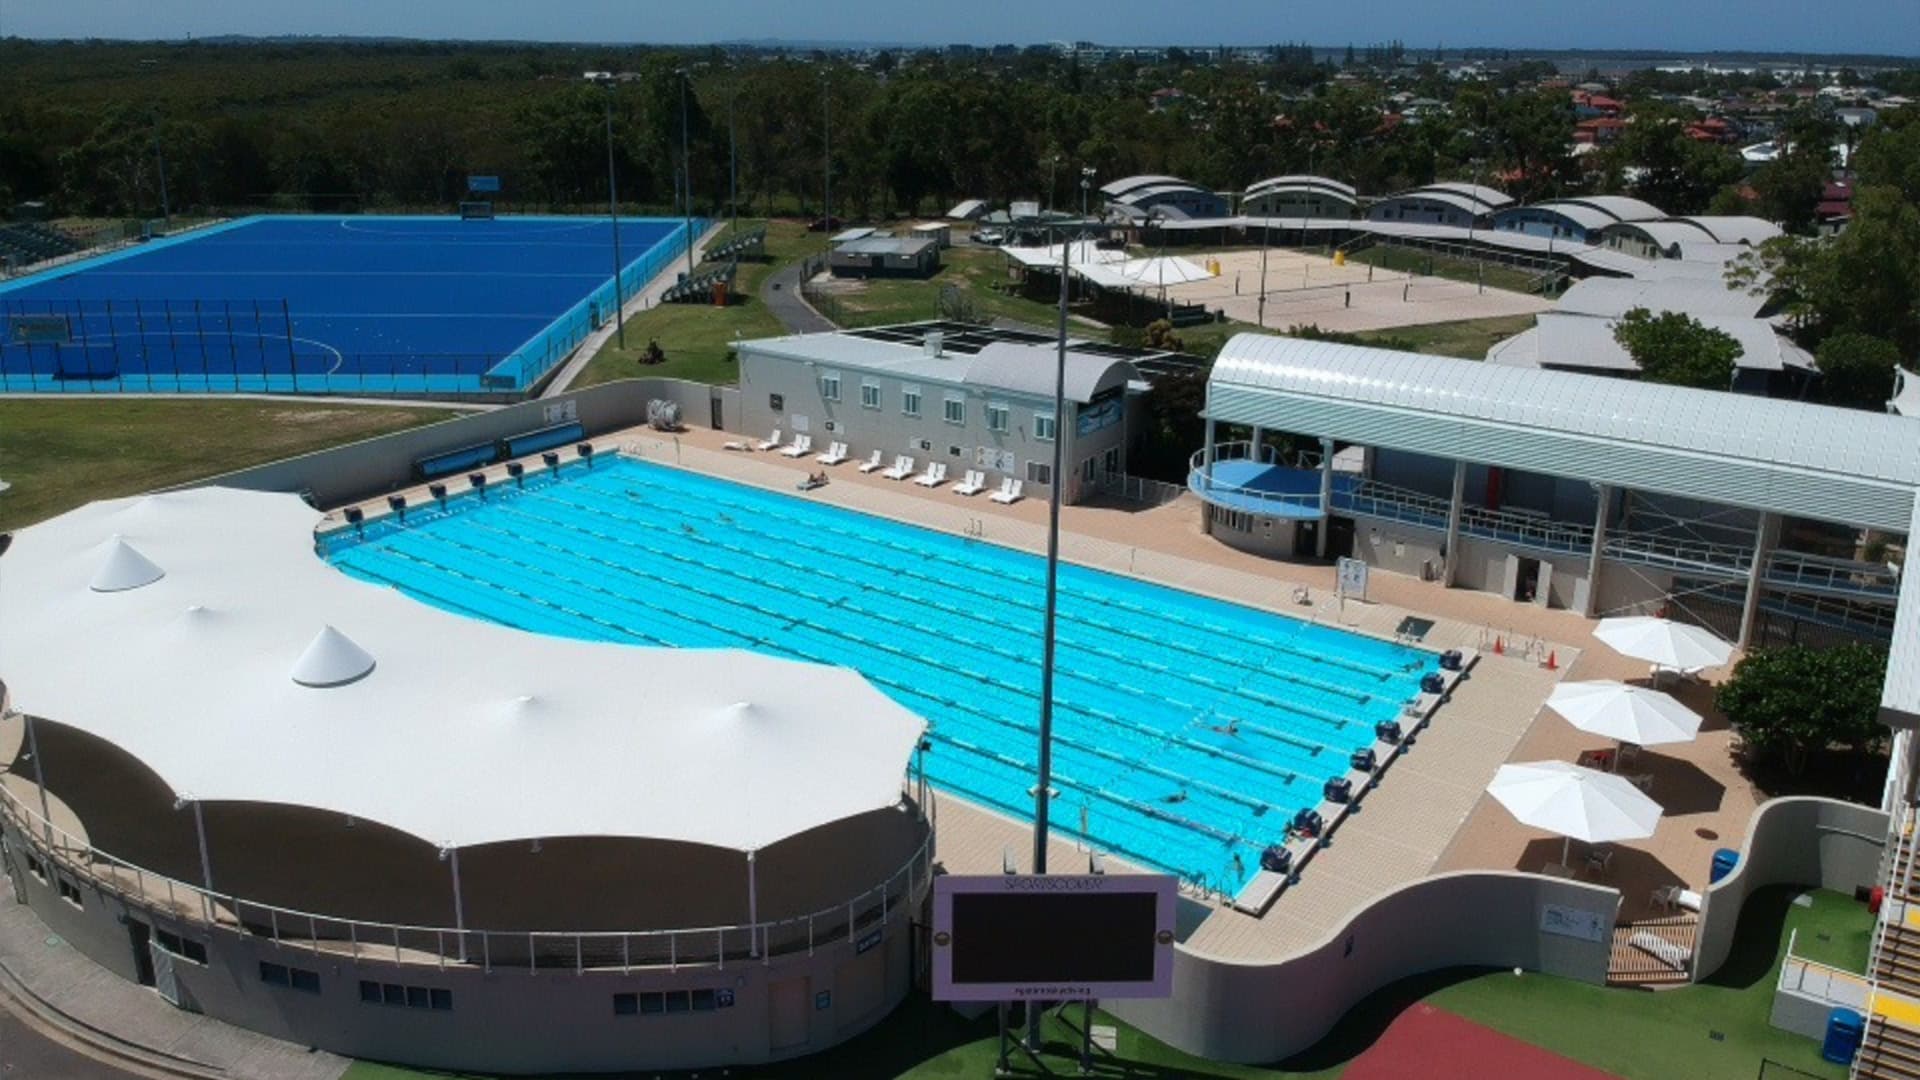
{"x":61,"y":454}
{"x":1634,"y":1034}
{"x":974,"y":271}
{"x":697,"y":337}
{"x":1468,"y":339}
{"x":1834,"y":932}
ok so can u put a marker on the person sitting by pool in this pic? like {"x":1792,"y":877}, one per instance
{"x":813,"y":480}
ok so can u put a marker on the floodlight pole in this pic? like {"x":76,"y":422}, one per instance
{"x":686,"y":171}
{"x":459,"y":904}
{"x":826,"y":160}
{"x":1042,"y":792}
{"x":733,"y":162}
{"x":1266,"y":241}
{"x":39,"y":779}
{"x":160,"y":160}
{"x":613,"y":215}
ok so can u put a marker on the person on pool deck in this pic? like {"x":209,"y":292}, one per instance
{"x":813,"y":480}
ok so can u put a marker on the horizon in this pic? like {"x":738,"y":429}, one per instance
{"x":1887,"y":29}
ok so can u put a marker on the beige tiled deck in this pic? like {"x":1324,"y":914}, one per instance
{"x":1430,"y":813}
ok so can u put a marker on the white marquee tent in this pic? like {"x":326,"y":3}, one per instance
{"x":198,"y":631}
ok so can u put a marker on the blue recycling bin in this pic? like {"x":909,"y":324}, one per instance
{"x":1845,"y":1029}
{"x":1724,"y":860}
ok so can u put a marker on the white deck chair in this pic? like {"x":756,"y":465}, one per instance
{"x":935,"y":475}
{"x":972,"y":484}
{"x":771,"y":442}
{"x":835,"y":454}
{"x":1009,"y":492}
{"x":872,"y":463}
{"x":902,"y":468}
{"x":799,"y":447}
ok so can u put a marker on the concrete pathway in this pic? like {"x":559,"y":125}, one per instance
{"x":781,"y":293}
{"x":645,"y":299}
{"x":91,"y":1004}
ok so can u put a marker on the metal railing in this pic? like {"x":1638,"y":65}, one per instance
{"x":1893,"y":905}
{"x":1203,"y":482}
{"x":440,"y":946}
{"x":1138,"y":488}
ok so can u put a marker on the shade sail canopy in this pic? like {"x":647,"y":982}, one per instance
{"x":1663,"y":642}
{"x":1632,"y":714}
{"x":124,"y":568}
{"x":253,"y":671}
{"x":1575,"y":802}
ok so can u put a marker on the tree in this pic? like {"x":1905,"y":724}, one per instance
{"x":1795,"y":700}
{"x":1677,"y":349}
{"x":1856,"y":369}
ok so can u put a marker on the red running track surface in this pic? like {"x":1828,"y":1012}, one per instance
{"x":1433,"y":1044}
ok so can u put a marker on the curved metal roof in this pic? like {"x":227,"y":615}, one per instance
{"x":1667,"y":231}
{"x":1619,"y":207}
{"x":1733,"y":228}
{"x":1812,"y":461}
{"x":1491,"y":198}
{"x":1125,"y":184}
{"x":1306,"y":181}
{"x":1586,"y":217}
{"x":1450,"y":198}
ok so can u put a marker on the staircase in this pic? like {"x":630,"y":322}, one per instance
{"x":1891,"y":1050}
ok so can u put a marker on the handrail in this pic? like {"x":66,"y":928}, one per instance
{"x":1890,"y":896}
{"x":441,"y":945}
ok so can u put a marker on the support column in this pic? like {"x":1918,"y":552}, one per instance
{"x":40,"y":779}
{"x":1253,"y":451}
{"x":1449,"y":570}
{"x":1764,"y":537}
{"x":1326,"y":498}
{"x":1206,"y":480}
{"x":459,"y":904}
{"x":753,"y":909}
{"x":206,"y":864}
{"x":1603,"y":496}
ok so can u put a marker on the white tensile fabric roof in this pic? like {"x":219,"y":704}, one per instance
{"x":250,"y":670}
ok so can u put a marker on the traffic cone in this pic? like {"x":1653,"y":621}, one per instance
{"x":1553,"y":661}
{"x":1499,"y":647}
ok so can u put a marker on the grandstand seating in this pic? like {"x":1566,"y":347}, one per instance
{"x":698,"y":288}
{"x":749,"y":244}
{"x":33,"y":242}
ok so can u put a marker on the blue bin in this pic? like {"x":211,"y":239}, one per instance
{"x":1845,"y":1029}
{"x":1724,"y":860}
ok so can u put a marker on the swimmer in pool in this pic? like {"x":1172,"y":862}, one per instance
{"x":1176,"y":797}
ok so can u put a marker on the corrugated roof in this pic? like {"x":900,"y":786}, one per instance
{"x":1668,"y":231}
{"x":1785,"y":456}
{"x":1696,"y":296}
{"x":1492,"y":198}
{"x":1620,"y":207}
{"x":1585,"y":341}
{"x":1322,"y":184}
{"x":1030,"y":370}
{"x":1125,"y":184}
{"x":1734,"y":228}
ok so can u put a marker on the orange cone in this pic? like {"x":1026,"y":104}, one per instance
{"x":1499,"y":647}
{"x":1553,"y":661}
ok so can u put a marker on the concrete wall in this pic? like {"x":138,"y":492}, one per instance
{"x":927,"y":437}
{"x":358,"y":470}
{"x":502,"y":1020}
{"x":1243,"y":1012}
{"x":1791,"y":841}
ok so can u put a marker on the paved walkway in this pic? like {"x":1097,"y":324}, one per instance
{"x":781,"y":293}
{"x":89,"y":996}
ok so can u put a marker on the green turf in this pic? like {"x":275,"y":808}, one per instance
{"x":698,"y":338}
{"x":1468,"y":339}
{"x":60,"y":454}
{"x":1835,"y":931}
{"x":978,"y":273}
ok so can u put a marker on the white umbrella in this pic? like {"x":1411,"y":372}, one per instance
{"x":1664,"y":642}
{"x":1624,"y":713}
{"x":1578,"y":803}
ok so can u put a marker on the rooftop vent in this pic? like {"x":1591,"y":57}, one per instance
{"x":331,"y":659}
{"x":933,"y":344}
{"x":125,"y":569}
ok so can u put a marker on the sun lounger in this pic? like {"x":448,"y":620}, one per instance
{"x":735,"y":446}
{"x":772,"y":442}
{"x":872,"y":463}
{"x":1009,"y":492}
{"x":836,"y":453}
{"x":1675,"y":897}
{"x":1674,"y":956}
{"x":902,"y":468}
{"x":972,"y":484}
{"x":801,"y":445}
{"x":935,"y":475}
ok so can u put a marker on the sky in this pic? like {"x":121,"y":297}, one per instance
{"x":1867,"y":26}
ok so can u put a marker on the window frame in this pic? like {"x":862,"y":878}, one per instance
{"x":869,"y":389}
{"x":830,"y":381}
{"x":953,"y":409}
{"x":1052,"y":422}
{"x":910,"y":401}
{"x":999,"y":417}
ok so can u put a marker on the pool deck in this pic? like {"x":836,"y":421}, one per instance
{"x":1429,"y":813}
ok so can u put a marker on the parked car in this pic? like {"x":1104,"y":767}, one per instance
{"x":824,"y":224}
{"x":988,"y":236}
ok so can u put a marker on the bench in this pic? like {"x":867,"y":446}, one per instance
{"x":546,"y":438}
{"x":448,"y":462}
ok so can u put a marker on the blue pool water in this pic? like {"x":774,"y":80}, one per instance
{"x":1149,"y":678}
{"x":329,"y":304}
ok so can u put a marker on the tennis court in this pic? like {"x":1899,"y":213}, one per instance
{"x":374,"y":305}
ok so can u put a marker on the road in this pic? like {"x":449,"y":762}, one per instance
{"x":781,"y":293}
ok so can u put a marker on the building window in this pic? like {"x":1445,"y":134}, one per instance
{"x":293,"y":978}
{"x":70,"y":892}
{"x":777,"y":402}
{"x":412,"y":997}
{"x":33,"y":867}
{"x":910,"y":401}
{"x":956,"y":410}
{"x":997,"y":416}
{"x":626,"y":1004}
{"x":1039,"y":472}
{"x":185,"y":948}
{"x":1043,"y":426}
{"x":870,"y":395}
{"x":830,"y":385}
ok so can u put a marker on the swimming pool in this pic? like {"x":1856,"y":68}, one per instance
{"x":1187,"y":730}
{"x":327,"y":304}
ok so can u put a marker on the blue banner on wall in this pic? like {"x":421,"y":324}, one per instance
{"x":483,"y":183}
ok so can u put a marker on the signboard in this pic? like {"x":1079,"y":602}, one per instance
{"x":1352,"y":578}
{"x":487,"y":184}
{"x":868,"y":940}
{"x":1012,"y":937}
{"x":1564,"y":921}
{"x":1100,"y":415}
